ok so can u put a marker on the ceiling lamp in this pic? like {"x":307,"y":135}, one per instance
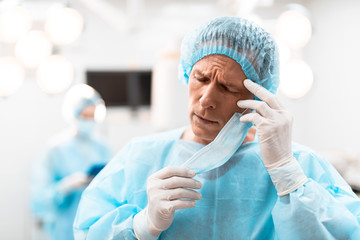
{"x":55,"y":74}
{"x":296,"y":79}
{"x":14,"y":23}
{"x":11,"y":76}
{"x":64,"y":25}
{"x":245,"y":7}
{"x":32,"y":48}
{"x":294,"y":27}
{"x":100,"y":113}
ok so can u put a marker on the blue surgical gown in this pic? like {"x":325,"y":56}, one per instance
{"x":239,"y":200}
{"x":69,"y":155}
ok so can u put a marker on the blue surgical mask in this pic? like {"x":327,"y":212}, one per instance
{"x":86,"y":127}
{"x":220,"y":150}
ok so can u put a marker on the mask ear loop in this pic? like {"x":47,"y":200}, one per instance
{"x":242,"y":113}
{"x":251,"y":110}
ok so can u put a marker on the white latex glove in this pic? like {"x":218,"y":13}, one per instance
{"x":168,"y":190}
{"x":73,"y":182}
{"x":273,"y":123}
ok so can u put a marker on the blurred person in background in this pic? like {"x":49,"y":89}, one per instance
{"x":203,"y":181}
{"x":70,"y":163}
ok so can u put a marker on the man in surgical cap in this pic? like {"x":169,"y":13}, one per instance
{"x":204,"y":181}
{"x":64,"y":170}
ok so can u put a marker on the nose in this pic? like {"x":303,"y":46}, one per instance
{"x":209,"y":97}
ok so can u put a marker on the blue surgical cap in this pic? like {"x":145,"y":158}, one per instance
{"x":240,"y":39}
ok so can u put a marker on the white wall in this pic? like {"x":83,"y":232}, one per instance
{"x":325,"y":118}
{"x":28,"y":119}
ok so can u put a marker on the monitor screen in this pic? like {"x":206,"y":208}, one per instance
{"x":122,"y":88}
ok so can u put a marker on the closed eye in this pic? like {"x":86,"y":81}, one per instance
{"x":224,"y":87}
{"x":229,"y":89}
{"x":201,"y":78}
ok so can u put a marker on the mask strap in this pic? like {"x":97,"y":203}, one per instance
{"x":220,"y":150}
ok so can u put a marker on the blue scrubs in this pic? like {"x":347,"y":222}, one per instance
{"x":54,"y":209}
{"x":239,"y":200}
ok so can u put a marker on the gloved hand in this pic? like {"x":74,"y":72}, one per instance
{"x":273,"y":123}
{"x":73,"y":182}
{"x":167,"y":191}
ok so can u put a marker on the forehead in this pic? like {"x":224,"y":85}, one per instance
{"x":218,"y":63}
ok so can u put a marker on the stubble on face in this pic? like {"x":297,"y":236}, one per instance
{"x":215,"y":85}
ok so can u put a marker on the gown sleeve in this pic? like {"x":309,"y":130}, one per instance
{"x":324,"y":207}
{"x":46,"y":198}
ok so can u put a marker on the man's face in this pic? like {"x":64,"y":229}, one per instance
{"x":88,"y":112}
{"x":215,"y":86}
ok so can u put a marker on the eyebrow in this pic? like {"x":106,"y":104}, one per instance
{"x":197,"y":72}
{"x":228,"y":84}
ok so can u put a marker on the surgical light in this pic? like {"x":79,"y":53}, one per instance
{"x":296,"y":79}
{"x":100,"y":113}
{"x":14,"y":23}
{"x":33,"y":48}
{"x":245,"y":7}
{"x":64,"y":25}
{"x":11,"y":76}
{"x":55,"y":74}
{"x":294,"y":27}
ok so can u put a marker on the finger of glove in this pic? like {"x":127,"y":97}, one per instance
{"x":75,"y":177}
{"x":261,"y":107}
{"x":179,"y":193}
{"x":171,"y":171}
{"x":166,"y":209}
{"x":262,"y":94}
{"x":180,"y":182}
{"x":85,"y":182}
{"x":253,"y":117}
{"x":182,"y":204}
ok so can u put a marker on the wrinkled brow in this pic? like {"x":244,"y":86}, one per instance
{"x":201,"y":74}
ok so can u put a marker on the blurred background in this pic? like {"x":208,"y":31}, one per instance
{"x":128,"y":50}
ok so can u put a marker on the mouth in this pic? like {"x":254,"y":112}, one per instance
{"x":205,"y":120}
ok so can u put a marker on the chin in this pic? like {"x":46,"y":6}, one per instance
{"x":203,"y":134}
